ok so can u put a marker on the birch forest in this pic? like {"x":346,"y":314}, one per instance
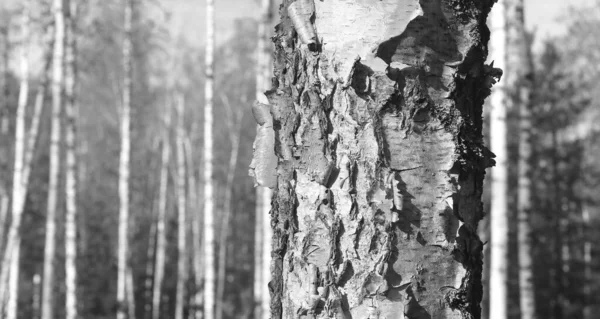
{"x":299,"y":159}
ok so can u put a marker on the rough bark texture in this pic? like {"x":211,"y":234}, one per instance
{"x":71,"y":169}
{"x":209,"y":206}
{"x":376,"y":110}
{"x":123,"y":255}
{"x":518,"y":80}
{"x":499,"y":219}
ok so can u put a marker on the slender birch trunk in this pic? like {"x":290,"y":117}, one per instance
{"x":37,"y":280}
{"x":55,"y":136}
{"x":517,"y":80}
{"x":123,"y":252}
{"x":195,"y":309}
{"x":150,"y":268}
{"x":262,"y":237}
{"x":499,"y":174}
{"x":71,"y":168}
{"x":4,"y":136}
{"x":161,"y":239}
{"x":234,"y":138}
{"x":587,"y":263}
{"x":182,"y":257}
{"x":10,"y":263}
{"x":209,"y":223}
{"x":130,"y":294}
{"x":380,"y":158}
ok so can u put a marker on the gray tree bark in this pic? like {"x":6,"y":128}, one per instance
{"x":380,"y":158}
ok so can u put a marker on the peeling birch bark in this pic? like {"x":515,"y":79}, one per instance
{"x":380,"y":160}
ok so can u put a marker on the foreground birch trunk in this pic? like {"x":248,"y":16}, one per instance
{"x":209,"y":221}
{"x":182,"y":257}
{"x":10,"y":262}
{"x":124,"y":166}
{"x":161,"y":236}
{"x":499,"y":174}
{"x":518,"y":81}
{"x":262,"y":250}
{"x":377,"y":125}
{"x":55,"y":136}
{"x":71,"y":167}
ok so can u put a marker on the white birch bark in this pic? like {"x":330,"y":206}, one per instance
{"x":161,"y":240}
{"x":209,"y":224}
{"x":263,"y":233}
{"x":196,"y":309}
{"x":10,"y":264}
{"x":71,"y":169}
{"x":123,"y":249}
{"x":55,"y":136}
{"x":499,"y":173}
{"x":182,"y":257}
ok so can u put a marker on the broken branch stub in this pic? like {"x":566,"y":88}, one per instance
{"x":300,"y":13}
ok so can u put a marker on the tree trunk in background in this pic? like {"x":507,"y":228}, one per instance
{"x":263,"y":233}
{"x":71,"y":168}
{"x":37,"y":280}
{"x":209,"y":224}
{"x":499,"y":174}
{"x":195,"y":309}
{"x":587,"y":263}
{"x":150,"y":266}
{"x":124,"y":165}
{"x":10,"y":263}
{"x":4,"y":138}
{"x":182,"y":257}
{"x":130,"y":294}
{"x":161,"y":236}
{"x":380,"y":158}
{"x":234,"y":138}
{"x":52,"y":206}
{"x":518,"y":81}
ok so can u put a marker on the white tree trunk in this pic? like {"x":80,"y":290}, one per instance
{"x":161,"y":239}
{"x":124,"y":166}
{"x":263,"y":233}
{"x":57,"y":96}
{"x":195,"y":309}
{"x":10,"y":264}
{"x":499,"y":174}
{"x":37,"y":280}
{"x":182,"y":257}
{"x":71,"y":169}
{"x":209,"y":223}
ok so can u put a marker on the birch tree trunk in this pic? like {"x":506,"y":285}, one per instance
{"x":262,"y":250}
{"x":124,"y":165}
{"x":195,"y":308}
{"x":150,"y":267}
{"x":234,"y":138}
{"x":71,"y":169}
{"x":55,"y":136}
{"x":518,"y":80}
{"x":161,"y":239}
{"x":209,"y":223}
{"x":182,"y":257}
{"x":10,"y":263}
{"x":4,"y":134}
{"x":499,"y":174}
{"x":377,"y":121}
